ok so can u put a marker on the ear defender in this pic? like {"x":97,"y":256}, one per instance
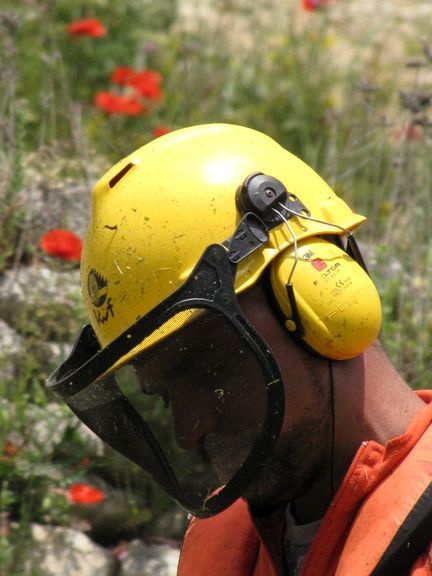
{"x":328,"y":301}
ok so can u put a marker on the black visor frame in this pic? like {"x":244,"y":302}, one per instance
{"x":209,"y":286}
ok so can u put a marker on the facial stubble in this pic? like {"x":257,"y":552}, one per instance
{"x":298,"y":461}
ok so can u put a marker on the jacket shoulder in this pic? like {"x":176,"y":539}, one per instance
{"x":394,"y":517}
{"x":226,"y":544}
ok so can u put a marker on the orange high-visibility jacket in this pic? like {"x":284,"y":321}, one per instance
{"x":378,"y":524}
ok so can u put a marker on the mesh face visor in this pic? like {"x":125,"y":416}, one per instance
{"x":190,"y":392}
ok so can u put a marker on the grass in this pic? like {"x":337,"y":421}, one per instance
{"x":362,"y":120}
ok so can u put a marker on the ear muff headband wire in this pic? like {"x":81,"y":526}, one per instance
{"x":294,"y":237}
{"x":291,"y":231}
{"x":333,"y":430}
{"x":306,"y":217}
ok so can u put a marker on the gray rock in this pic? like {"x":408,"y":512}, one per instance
{"x":47,"y":425}
{"x":37,"y":284}
{"x":170,"y":524}
{"x":62,"y":205}
{"x":36,"y":297}
{"x":11,"y":350}
{"x":94,"y":444}
{"x":10,"y":342}
{"x":56,"y":353}
{"x":55,"y":550}
{"x":140,"y":559}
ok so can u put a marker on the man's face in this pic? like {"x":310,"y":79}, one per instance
{"x":216,"y":392}
{"x":214,"y":389}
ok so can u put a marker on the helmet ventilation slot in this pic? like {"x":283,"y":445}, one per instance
{"x":120,"y":174}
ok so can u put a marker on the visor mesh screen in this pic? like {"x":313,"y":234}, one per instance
{"x":196,"y":401}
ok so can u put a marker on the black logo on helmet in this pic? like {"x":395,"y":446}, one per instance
{"x":97,"y":288}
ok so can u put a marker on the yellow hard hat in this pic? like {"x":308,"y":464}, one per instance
{"x":155,"y":212}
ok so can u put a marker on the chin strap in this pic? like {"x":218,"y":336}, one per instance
{"x":333,"y":428}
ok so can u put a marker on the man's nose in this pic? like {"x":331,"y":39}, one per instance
{"x":193,"y":418}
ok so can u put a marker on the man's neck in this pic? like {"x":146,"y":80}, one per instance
{"x":371,"y":402}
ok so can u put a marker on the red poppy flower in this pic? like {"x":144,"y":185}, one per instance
{"x":80,"y":493}
{"x":122,"y":75}
{"x":160,"y":131}
{"x":10,"y":449}
{"x":61,"y":243}
{"x":87,"y":27}
{"x":147,"y":83}
{"x":112,"y":103}
{"x":313,"y":5}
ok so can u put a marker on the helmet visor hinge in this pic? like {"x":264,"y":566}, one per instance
{"x":251,"y":233}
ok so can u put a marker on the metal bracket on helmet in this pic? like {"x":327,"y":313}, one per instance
{"x":265,"y":203}
{"x":250,"y":234}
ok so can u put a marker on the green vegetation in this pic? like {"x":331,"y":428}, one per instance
{"x":346,"y":105}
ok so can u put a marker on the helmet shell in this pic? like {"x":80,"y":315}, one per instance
{"x":155,"y":212}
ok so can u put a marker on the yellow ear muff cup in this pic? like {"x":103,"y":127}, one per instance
{"x":337,"y":302}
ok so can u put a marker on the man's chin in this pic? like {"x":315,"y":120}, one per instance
{"x":265,"y":492}
{"x":227,"y":453}
{"x":279,"y":482}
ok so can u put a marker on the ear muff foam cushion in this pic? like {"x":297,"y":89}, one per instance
{"x":338,"y":304}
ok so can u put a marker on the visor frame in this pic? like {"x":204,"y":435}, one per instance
{"x":209,"y":286}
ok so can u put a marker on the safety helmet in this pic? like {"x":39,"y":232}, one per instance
{"x":171,"y":373}
{"x":156,"y":211}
